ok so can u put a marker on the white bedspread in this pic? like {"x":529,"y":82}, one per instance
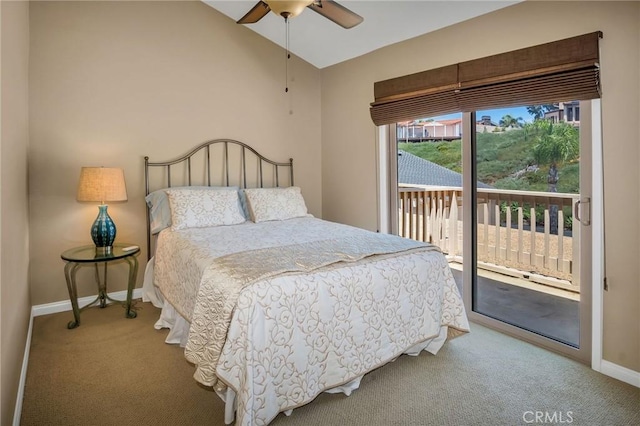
{"x":294,"y":335}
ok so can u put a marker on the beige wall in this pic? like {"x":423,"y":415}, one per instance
{"x":348,"y":135}
{"x":14,"y":228}
{"x":112,"y":82}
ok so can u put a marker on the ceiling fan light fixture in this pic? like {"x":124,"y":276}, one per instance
{"x":288,"y":8}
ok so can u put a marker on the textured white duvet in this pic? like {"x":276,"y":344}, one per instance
{"x":308,"y":327}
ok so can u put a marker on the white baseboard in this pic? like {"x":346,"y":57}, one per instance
{"x":23,"y":375}
{"x":46,"y":309}
{"x":621,"y":373}
{"x":65,"y":305}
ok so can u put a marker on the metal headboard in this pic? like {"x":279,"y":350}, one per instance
{"x":206,"y":147}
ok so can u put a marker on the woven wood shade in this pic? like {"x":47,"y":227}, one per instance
{"x":564,"y":70}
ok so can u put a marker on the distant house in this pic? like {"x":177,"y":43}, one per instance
{"x":429,"y":130}
{"x":418,"y":171}
{"x":485,"y":120}
{"x":485,"y":125}
{"x":441,"y":130}
{"x":568,"y":112}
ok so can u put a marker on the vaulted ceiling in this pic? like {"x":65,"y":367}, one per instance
{"x":323,"y":43}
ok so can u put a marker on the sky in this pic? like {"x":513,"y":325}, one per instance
{"x":496,"y":114}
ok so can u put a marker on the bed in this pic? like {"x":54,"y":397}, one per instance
{"x":272,"y":305}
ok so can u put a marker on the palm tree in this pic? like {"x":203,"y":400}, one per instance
{"x":509,"y":121}
{"x":554,"y":143}
{"x":538,"y":111}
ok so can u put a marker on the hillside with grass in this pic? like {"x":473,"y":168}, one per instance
{"x":517,"y":159}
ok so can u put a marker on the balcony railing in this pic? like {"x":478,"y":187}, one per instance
{"x":516,"y":231}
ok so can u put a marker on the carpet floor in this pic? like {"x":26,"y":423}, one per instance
{"x":117,"y":371}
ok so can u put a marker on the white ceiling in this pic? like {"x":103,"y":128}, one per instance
{"x":323,"y":43}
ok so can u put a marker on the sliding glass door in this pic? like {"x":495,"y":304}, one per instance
{"x":529,"y":182}
{"x":504,"y":194}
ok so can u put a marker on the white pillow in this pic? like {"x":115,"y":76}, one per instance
{"x":275,"y":203}
{"x":199,"y":208}
{"x":160,"y":212}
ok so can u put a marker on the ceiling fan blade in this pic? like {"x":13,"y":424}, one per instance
{"x":255,"y":14}
{"x":337,"y":13}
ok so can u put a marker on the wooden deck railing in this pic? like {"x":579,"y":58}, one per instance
{"x":515,"y":231}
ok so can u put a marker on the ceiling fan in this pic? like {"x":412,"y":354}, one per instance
{"x":290,"y":8}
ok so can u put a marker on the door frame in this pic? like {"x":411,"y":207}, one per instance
{"x":598,"y":271}
{"x":387,"y":176}
{"x":388,"y":215}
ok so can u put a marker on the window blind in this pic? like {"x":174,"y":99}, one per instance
{"x":563,"y":70}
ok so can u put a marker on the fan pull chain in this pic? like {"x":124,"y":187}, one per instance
{"x":286,"y":63}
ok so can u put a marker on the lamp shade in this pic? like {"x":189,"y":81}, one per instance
{"x":101,"y":184}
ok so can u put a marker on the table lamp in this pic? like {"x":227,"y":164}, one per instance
{"x":102,"y":184}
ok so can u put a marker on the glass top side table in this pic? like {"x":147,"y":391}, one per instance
{"x":86,"y":255}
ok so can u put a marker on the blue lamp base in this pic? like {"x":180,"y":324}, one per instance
{"x":103,"y":231}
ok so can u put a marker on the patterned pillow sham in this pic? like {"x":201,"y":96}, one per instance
{"x":199,"y":208}
{"x":267,"y":204}
{"x":159,"y":210}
